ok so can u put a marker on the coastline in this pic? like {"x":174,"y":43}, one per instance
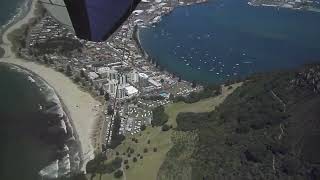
{"x":81,"y":107}
{"x":136,"y":38}
{"x":148,"y":24}
{"x":59,"y":115}
{"x":284,"y":5}
{"x":21,"y":12}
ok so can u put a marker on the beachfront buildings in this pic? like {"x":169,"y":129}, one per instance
{"x":116,"y":79}
{"x":118,"y":66}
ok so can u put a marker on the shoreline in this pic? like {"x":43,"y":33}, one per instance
{"x":285,"y":6}
{"x":21,"y":12}
{"x":71,"y":133}
{"x":80,"y":106}
{"x":136,"y":38}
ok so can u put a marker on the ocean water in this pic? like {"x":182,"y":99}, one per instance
{"x":36,"y":134}
{"x":25,"y":143}
{"x":8,"y":9}
{"x":228,"y":39}
{"x":24,"y":139}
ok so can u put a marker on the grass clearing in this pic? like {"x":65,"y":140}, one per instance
{"x":148,"y":167}
{"x":205,"y":105}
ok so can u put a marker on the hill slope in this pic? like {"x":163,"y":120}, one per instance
{"x":267,"y":129}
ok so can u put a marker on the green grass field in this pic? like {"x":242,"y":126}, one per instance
{"x":148,"y":167}
{"x":205,"y":105}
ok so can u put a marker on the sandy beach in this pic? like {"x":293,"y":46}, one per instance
{"x":82,"y":107}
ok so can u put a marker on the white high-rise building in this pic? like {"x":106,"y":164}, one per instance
{"x":103,"y":71}
{"x":123,"y":79}
{"x":112,"y":74}
{"x":121,"y":92}
{"x":133,"y":77}
{"x":143,"y":79}
{"x":111,"y":87}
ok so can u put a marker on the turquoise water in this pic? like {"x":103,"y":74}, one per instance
{"x":227,"y":39}
{"x":25,"y":145}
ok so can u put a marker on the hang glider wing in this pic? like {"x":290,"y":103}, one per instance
{"x":93,"y":20}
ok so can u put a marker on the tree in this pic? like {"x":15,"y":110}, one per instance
{"x":116,"y":125}
{"x":194,"y":84}
{"x":93,"y":166}
{"x":116,"y":137}
{"x":118,"y":174}
{"x":134,"y":159}
{"x":19,"y":52}
{"x":107,"y":96}
{"x":69,"y":70}
{"x":162,"y":80}
{"x":171,"y":97}
{"x":145,"y":150}
{"x":159,"y":117}
{"x":60,"y":69}
{"x":101,"y":91}
{"x":143,"y":127}
{"x":77,"y":79}
{"x":45,"y":59}
{"x":110,"y":110}
{"x":256,"y":152}
{"x":155,"y":149}
{"x":165,"y":127}
{"x":82,"y":73}
{"x":78,"y":176}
